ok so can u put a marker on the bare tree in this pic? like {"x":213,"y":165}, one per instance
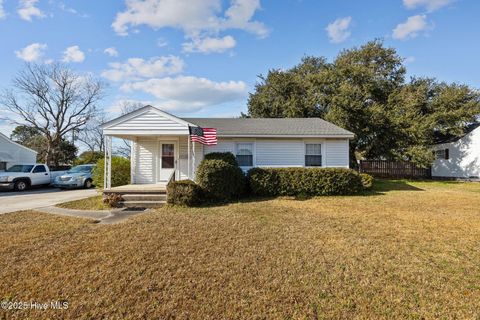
{"x":123,"y":149}
{"x":92,"y":135}
{"x":53,"y":99}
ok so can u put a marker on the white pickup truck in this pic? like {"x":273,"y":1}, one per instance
{"x":23,"y":176}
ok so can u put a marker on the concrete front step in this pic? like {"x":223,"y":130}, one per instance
{"x":144,"y":197}
{"x":142,"y":204}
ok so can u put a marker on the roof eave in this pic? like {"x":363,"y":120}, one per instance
{"x":323,"y":136}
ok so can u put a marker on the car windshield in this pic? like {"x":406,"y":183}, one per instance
{"x":80,"y":169}
{"x":20,"y":168}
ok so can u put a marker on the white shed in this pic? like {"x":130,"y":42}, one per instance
{"x":12,"y":153}
{"x":458,"y":157}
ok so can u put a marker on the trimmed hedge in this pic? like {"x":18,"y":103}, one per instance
{"x":184,"y":193}
{"x":367,"y":181}
{"x":220,"y":179}
{"x":225,"y":156}
{"x":304,"y":181}
{"x":120,"y":172}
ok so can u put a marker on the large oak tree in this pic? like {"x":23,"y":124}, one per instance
{"x":364,"y":90}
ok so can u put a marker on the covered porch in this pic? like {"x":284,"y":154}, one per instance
{"x":160,"y":150}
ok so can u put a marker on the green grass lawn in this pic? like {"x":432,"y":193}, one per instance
{"x":405,"y":250}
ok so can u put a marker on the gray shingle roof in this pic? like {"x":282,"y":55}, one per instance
{"x":271,"y":126}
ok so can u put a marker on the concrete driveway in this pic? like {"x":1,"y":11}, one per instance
{"x":38,"y":198}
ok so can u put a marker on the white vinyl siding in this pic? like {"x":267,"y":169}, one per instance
{"x":12,"y":153}
{"x":221,"y":146}
{"x":266,"y":153}
{"x":149,"y":122}
{"x":145,"y":161}
{"x":463,"y":158}
{"x":279,"y":153}
{"x":336,"y":153}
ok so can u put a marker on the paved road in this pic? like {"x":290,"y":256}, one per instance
{"x":38,"y":198}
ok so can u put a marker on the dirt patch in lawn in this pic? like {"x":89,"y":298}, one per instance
{"x":398,"y":253}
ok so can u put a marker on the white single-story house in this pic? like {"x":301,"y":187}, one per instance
{"x":161,"y":148}
{"x":12,"y":153}
{"x":458,"y":157}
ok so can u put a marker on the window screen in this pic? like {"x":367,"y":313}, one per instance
{"x":313,"y":155}
{"x":245,"y":154}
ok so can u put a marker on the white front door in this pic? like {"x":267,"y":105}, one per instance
{"x":167,"y":160}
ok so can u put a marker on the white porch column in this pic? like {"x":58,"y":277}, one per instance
{"x":193,"y":160}
{"x":107,"y":170}
{"x":133,"y":159}
{"x":188,"y":158}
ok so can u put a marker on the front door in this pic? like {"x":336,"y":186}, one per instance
{"x":167,"y":160}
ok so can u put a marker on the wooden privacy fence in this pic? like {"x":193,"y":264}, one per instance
{"x":394,"y":169}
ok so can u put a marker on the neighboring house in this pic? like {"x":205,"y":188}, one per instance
{"x":161,"y":146}
{"x":12,"y":152}
{"x":458,"y":157}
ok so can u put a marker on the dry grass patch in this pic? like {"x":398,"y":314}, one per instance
{"x":92,"y":203}
{"x":408,"y":250}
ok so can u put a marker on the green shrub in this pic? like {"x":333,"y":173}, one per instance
{"x":225,"y":156}
{"x":220,"y":179}
{"x":304,"y":181}
{"x":367,"y":181}
{"x":120,"y":172}
{"x":184,"y":193}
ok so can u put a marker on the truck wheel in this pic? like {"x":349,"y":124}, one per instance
{"x":88,"y":184}
{"x":21,"y":185}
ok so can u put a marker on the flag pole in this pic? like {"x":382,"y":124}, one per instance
{"x":193,"y":160}
{"x":188,"y":158}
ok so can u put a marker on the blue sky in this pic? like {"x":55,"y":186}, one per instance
{"x":202,"y":57}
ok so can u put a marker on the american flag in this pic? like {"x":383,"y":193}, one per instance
{"x":206,"y":136}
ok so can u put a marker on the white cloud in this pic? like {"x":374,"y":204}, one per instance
{"x":430,"y":5}
{"x":27,"y":10}
{"x":32,"y":52}
{"x":2,"y":11}
{"x":73,"y":54}
{"x":338,"y":31}
{"x":411,"y":28}
{"x":137,"y":68}
{"x":410,"y":59}
{"x":71,"y":10}
{"x":112,"y":52}
{"x":194,"y":17}
{"x":208,"y":44}
{"x":161,"y":42}
{"x":187,"y":93}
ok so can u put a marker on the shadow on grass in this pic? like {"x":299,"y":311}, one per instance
{"x":383,"y":185}
{"x":380,"y":187}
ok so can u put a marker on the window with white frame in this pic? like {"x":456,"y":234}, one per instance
{"x":245,"y":154}
{"x":313,"y":155}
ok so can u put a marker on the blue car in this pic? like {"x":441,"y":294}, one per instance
{"x":77,"y":177}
